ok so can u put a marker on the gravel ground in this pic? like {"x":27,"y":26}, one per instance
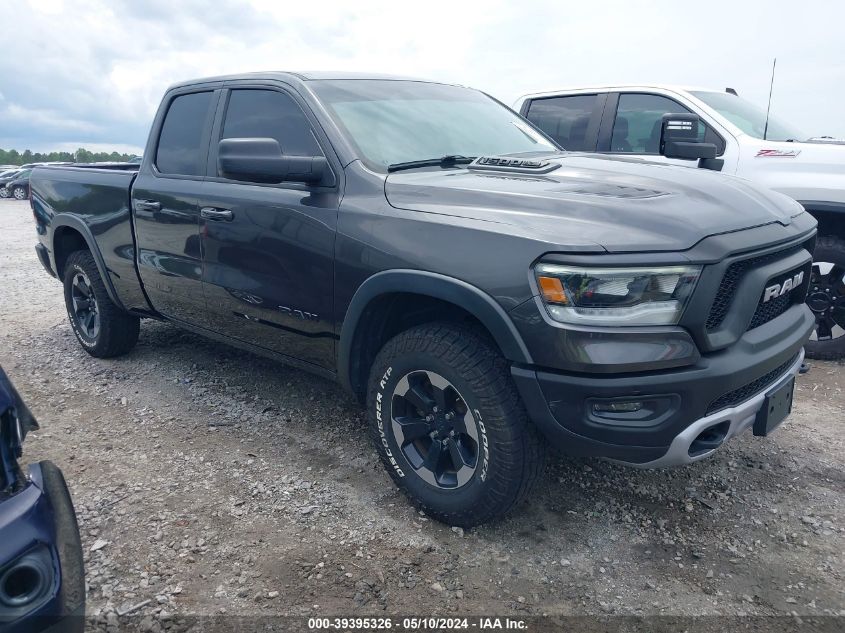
{"x":209,"y":481}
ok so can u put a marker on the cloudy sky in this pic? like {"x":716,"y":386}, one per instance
{"x":91,"y":72}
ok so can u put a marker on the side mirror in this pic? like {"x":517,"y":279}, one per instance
{"x":261,"y":160}
{"x":679,"y":138}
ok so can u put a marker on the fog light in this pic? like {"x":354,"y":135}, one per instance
{"x":25,"y":584}
{"x":645,"y":411}
{"x":629,"y":406}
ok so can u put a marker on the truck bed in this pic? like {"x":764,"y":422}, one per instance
{"x":92,"y":202}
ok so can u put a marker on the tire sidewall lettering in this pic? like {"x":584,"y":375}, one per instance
{"x":485,"y":446}
{"x":379,"y":405}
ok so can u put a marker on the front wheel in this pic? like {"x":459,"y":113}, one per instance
{"x":103,"y":329}
{"x":19,"y":193}
{"x":449,"y":425}
{"x":826,"y":298}
{"x":4,"y":193}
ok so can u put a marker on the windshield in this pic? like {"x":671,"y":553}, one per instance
{"x":749,"y":118}
{"x":393,"y":122}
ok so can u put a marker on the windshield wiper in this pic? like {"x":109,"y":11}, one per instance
{"x":444,"y":161}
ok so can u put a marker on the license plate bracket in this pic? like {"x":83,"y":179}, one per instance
{"x":777,"y":405}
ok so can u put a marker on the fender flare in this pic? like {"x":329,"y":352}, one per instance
{"x":437,"y":286}
{"x":78,"y":224}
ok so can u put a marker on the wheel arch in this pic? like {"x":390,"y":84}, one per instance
{"x":369,"y":323}
{"x":69,"y":234}
{"x":831,"y":237}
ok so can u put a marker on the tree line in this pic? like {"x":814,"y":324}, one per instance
{"x":82,"y":155}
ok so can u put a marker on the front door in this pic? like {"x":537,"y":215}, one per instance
{"x":268,"y":250}
{"x":635,"y":129}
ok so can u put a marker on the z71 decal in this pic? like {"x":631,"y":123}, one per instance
{"x":777,"y":153}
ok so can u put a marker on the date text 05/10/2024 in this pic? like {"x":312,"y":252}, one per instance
{"x":418,"y":624}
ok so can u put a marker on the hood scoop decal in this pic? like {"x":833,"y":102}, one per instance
{"x":610,"y":190}
{"x":513,"y":165}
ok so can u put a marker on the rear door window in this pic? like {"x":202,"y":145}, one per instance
{"x":565,"y":119}
{"x":181,"y":145}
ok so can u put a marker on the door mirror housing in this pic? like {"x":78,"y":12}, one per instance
{"x":261,"y":160}
{"x":679,"y":139}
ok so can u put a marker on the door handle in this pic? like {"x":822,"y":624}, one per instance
{"x":147,"y":205}
{"x":210,"y":213}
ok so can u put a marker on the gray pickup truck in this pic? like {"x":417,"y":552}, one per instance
{"x":482,"y":292}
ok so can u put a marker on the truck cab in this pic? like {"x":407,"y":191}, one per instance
{"x":625,"y":120}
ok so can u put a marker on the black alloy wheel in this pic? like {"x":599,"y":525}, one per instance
{"x":84,"y":304}
{"x":435,"y":429}
{"x":826,"y":298}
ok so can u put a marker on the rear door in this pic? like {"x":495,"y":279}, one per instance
{"x":165,"y":203}
{"x":268,"y":249}
{"x":571,"y":120}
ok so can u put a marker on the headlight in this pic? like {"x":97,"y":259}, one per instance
{"x":616,"y":296}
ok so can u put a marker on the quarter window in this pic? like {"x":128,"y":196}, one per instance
{"x":180,"y":145}
{"x":270,"y":114}
{"x":565,"y":119}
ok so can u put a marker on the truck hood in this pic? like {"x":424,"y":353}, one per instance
{"x":826,"y":139}
{"x":618,"y":204}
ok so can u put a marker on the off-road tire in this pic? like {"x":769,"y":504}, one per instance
{"x":118,"y":331}
{"x":828,"y":249}
{"x":472,"y":363}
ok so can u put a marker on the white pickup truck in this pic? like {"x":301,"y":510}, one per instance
{"x":627,"y":120}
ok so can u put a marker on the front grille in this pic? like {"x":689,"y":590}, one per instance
{"x":727,"y":288}
{"x":733,"y":398}
{"x":773,"y":309}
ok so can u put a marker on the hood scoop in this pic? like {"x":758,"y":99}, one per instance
{"x":512,"y":165}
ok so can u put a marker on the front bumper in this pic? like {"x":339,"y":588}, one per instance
{"x":723,"y":391}
{"x":730,"y":422}
{"x":30,"y":562}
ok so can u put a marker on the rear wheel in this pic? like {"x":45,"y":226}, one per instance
{"x":4,"y":193}
{"x":449,"y":425}
{"x":826,"y":298}
{"x":19,"y":193}
{"x":103,"y":329}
